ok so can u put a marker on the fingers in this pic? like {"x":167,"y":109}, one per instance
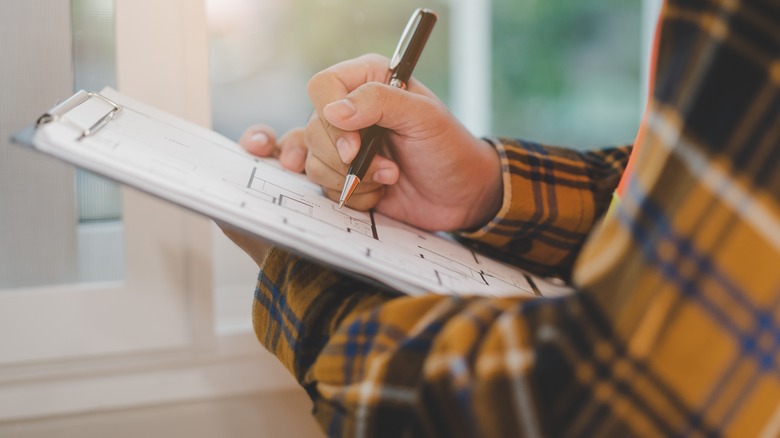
{"x":293,"y":150}
{"x":333,"y":146}
{"x":259,"y":140}
{"x":326,"y":166}
{"x":321,"y":163}
{"x":323,"y":154}
{"x":290,"y":149}
{"x":335,"y":83}
{"x":347,"y":97}
{"x":380,"y":104}
{"x":352,"y":95}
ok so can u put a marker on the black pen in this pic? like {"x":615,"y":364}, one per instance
{"x":401,"y":65}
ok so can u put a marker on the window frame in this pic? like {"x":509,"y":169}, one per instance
{"x":151,"y":337}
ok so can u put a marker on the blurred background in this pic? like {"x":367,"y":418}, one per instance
{"x":564,"y":72}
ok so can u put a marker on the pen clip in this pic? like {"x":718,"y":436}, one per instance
{"x":406,"y":38}
{"x":410,"y":46}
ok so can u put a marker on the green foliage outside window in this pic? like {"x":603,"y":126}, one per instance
{"x":567,"y":71}
{"x":564,"y":71}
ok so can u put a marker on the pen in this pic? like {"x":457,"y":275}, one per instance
{"x":402,"y":63}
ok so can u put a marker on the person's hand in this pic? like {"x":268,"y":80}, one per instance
{"x":439,"y":177}
{"x":290,"y":149}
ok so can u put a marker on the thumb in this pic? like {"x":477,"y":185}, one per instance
{"x":374,"y":103}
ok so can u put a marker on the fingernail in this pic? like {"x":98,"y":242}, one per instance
{"x":345,"y":150}
{"x":342,"y":109}
{"x":260,"y":138}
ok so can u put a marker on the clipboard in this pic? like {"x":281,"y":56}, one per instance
{"x":58,"y":113}
{"x":136,"y":144}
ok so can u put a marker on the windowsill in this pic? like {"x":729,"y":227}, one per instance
{"x":230,"y":365}
{"x":101,"y":259}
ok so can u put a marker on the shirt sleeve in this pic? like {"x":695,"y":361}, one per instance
{"x":552,"y":198}
{"x":378,"y":364}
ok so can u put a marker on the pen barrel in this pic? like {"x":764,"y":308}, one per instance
{"x":409,"y":51}
{"x":371,"y":142}
{"x":401,"y":65}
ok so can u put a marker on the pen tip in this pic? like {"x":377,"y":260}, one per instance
{"x":349,"y":186}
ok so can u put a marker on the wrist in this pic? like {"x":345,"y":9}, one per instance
{"x":489,"y":198}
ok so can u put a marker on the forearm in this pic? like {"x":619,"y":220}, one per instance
{"x":299,"y":304}
{"x":431,"y":365}
{"x":370,"y":359}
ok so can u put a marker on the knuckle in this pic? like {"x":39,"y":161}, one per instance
{"x":374,"y":98}
{"x":317,"y":125}
{"x":374,"y":59}
{"x":324,"y":79}
{"x":308,"y":133}
{"x":315,"y":81}
{"x":318,"y":173}
{"x":374,"y":90}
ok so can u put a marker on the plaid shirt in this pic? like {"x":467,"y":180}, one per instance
{"x":675,"y":327}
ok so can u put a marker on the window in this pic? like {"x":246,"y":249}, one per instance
{"x":74,"y":233}
{"x":73,"y":346}
{"x":264,"y":52}
{"x":64,"y":267}
{"x":567,"y":72}
{"x":564,"y":72}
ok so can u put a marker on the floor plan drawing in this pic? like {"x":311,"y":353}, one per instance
{"x":205,"y":172}
{"x":309,"y":203}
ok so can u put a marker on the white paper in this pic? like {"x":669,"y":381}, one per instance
{"x":206,"y":172}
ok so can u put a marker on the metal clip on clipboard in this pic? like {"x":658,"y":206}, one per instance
{"x":59,"y":113}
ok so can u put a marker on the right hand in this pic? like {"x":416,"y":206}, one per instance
{"x":440,"y":177}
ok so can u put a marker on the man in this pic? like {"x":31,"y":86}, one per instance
{"x":675,"y":326}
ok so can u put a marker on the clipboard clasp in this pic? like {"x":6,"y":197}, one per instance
{"x":59,"y":112}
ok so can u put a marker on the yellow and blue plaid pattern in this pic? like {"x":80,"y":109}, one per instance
{"x":675,"y":328}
